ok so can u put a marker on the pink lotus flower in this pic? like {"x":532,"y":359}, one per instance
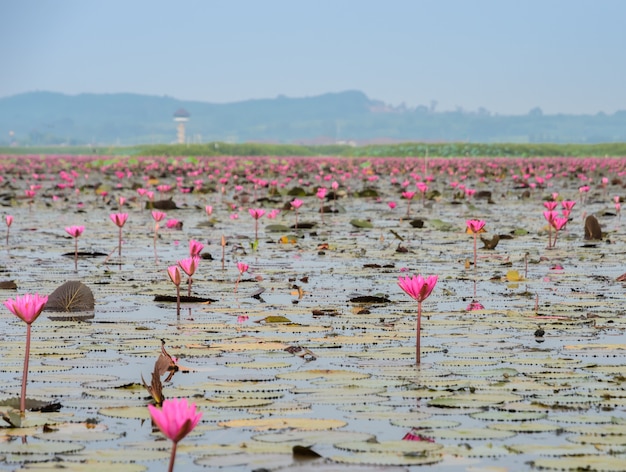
{"x":475,"y":227}
{"x":75,"y":232}
{"x":158,"y":215}
{"x":174,"y":274}
{"x":173,"y":223}
{"x":295,"y":204}
{"x":9,"y":222}
{"x":209,"y":210}
{"x":27,"y":308}
{"x":119,"y":218}
{"x":419,"y":289}
{"x":321,"y":193}
{"x":391,"y":205}
{"x":195,"y":248}
{"x":176,"y":419}
{"x":474,"y":305}
{"x":273,"y":214}
{"x":557,"y":223}
{"x":568,"y":205}
{"x":256,"y":213}
{"x":241,"y":267}
{"x":550,"y":206}
{"x":550,"y":216}
{"x":413,"y":436}
{"x":408,"y":196}
{"x":189,"y":265}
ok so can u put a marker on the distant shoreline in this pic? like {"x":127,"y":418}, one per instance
{"x":409,"y":149}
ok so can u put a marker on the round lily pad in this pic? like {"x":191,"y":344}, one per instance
{"x":599,"y":463}
{"x":387,"y":459}
{"x":91,"y":465}
{"x":305,"y":424}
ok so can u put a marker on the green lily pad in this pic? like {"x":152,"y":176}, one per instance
{"x":365,"y":224}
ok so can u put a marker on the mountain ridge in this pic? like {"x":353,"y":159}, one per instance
{"x":42,"y":117}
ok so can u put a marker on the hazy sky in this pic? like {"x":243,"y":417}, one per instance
{"x":508,"y":56}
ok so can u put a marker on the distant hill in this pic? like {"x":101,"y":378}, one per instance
{"x":47,"y":118}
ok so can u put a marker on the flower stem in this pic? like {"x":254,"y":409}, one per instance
{"x":418,"y":334}
{"x":475,"y":235}
{"x":25,"y":374}
{"x":156,"y":229}
{"x":119,"y":247}
{"x":178,"y":301}
{"x":549,"y":236}
{"x":172,"y":458}
{"x":75,"y":254}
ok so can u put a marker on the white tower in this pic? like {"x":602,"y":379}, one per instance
{"x":181,"y":117}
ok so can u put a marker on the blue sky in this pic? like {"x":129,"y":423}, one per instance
{"x":564,"y":56}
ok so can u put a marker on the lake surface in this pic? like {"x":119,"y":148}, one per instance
{"x":313,"y":364}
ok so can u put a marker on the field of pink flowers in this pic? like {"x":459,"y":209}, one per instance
{"x":281,"y":297}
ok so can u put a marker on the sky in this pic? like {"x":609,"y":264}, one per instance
{"x":507,"y":56}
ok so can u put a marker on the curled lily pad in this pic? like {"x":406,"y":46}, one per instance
{"x":72,"y":296}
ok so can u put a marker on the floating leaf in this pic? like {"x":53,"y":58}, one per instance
{"x":592,"y":229}
{"x":71,"y":296}
{"x":599,"y":463}
{"x":305,"y":424}
{"x":513,"y":276}
{"x":361,"y":223}
{"x":88,"y":464}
